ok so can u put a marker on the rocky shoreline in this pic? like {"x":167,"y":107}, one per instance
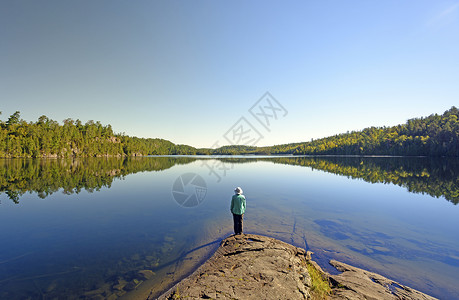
{"x":251,"y":266}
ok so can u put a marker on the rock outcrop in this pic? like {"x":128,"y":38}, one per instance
{"x":355,"y":283}
{"x":248,"y":267}
{"x":257,"y":267}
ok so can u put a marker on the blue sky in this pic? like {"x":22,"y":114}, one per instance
{"x":187,"y":71}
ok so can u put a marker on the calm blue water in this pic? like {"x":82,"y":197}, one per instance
{"x":94,"y":243}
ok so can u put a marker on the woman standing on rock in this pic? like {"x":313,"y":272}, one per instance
{"x":238,"y":210}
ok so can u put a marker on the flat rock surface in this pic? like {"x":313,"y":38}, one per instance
{"x":250,"y":266}
{"x":355,"y":283}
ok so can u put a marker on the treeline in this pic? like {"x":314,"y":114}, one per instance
{"x":47,"y":176}
{"x":234,"y":150}
{"x":48,"y":138}
{"x":436,"y":135}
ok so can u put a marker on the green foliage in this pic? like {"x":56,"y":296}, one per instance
{"x":320,"y":287}
{"x":234,"y":150}
{"x":47,"y":138}
{"x":13,"y":119}
{"x":436,"y":135}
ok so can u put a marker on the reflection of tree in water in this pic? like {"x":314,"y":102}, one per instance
{"x":433,"y":176}
{"x":46,"y":176}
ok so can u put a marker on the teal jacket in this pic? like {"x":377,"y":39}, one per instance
{"x":238,"y":204}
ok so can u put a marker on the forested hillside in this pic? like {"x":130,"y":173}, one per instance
{"x":48,"y":138}
{"x":436,"y":135}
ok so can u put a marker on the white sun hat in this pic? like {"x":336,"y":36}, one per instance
{"x":238,"y":190}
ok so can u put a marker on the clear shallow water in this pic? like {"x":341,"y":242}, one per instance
{"x":124,"y":219}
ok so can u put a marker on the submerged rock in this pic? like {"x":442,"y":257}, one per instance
{"x":146,"y":274}
{"x":256,"y":267}
{"x":120,"y":284}
{"x":133,"y":284}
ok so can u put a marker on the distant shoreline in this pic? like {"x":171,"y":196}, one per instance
{"x":232,"y":155}
{"x":433,"y":136}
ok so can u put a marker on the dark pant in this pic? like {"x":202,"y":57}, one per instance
{"x":237,"y":223}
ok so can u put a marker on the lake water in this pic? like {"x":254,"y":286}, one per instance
{"x":109,"y":228}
